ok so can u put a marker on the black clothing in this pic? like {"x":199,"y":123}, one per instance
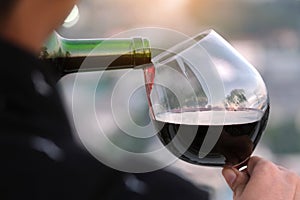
{"x":40,"y":159}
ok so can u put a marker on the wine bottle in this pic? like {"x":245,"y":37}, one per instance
{"x":82,"y":55}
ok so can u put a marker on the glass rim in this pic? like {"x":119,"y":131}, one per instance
{"x":175,"y":50}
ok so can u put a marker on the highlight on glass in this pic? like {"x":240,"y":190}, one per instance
{"x":209,"y":104}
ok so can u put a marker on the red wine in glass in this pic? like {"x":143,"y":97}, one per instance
{"x":237,"y":140}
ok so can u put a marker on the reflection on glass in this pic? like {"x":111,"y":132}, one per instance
{"x":210,"y":105}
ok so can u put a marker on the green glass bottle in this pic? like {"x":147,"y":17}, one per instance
{"x":81,"y":55}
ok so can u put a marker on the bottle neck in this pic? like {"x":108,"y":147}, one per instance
{"x":81,"y":55}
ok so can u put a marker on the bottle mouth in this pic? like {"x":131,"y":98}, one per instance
{"x":141,"y":51}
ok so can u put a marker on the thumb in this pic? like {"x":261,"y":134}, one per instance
{"x":235,"y":179}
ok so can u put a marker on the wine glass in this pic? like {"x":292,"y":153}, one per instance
{"x":210,"y":106}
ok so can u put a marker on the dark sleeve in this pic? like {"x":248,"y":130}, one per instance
{"x":163,"y":184}
{"x":27,"y":173}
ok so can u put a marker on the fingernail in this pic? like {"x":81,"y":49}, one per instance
{"x":229,"y":176}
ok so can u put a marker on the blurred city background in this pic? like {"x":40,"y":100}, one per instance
{"x":266,"y":32}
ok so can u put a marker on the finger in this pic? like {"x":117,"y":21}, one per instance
{"x":258,"y":164}
{"x":297,"y":192}
{"x":235,"y":179}
{"x":240,"y":183}
{"x":252,"y":162}
{"x":229,"y":176}
{"x":256,"y":159}
{"x":282,"y":168}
